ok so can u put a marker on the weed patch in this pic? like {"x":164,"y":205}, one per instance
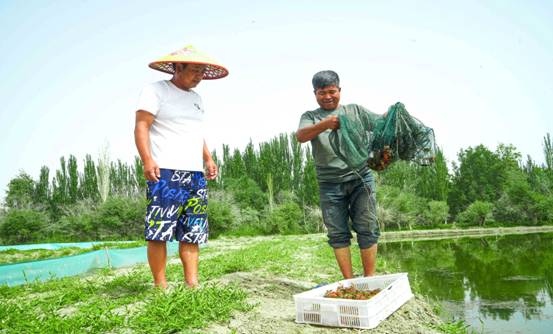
{"x":185,"y":308}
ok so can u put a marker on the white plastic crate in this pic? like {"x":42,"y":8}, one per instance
{"x":313,"y":308}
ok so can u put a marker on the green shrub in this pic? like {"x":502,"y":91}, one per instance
{"x":436,"y":213}
{"x":313,"y":220}
{"x":74,"y":223}
{"x":220,"y":217}
{"x":284,"y":219}
{"x":508,"y":212}
{"x":286,"y":196}
{"x":385,"y":217}
{"x":120,"y":217}
{"x":477,"y":213}
{"x":79,"y":227}
{"x":400,"y":208}
{"x":246,"y":193}
{"x":531,"y":208}
{"x":23,"y":226}
{"x":543,"y":208}
{"x":248,"y":223}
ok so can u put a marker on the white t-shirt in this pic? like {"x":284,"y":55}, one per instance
{"x":177,"y":133}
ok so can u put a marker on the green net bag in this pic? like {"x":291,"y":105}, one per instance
{"x":379,"y":142}
{"x":351,"y":142}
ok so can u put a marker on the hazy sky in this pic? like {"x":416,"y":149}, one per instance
{"x":478,"y":72}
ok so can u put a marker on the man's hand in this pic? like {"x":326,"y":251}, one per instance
{"x":332,"y":122}
{"x":144,"y":121}
{"x":307,"y":133}
{"x":211,"y":169}
{"x":151,"y":171}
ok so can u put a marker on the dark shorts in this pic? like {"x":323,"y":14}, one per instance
{"x":353,"y":200}
{"x":177,"y":207}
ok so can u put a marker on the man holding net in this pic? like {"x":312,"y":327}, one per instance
{"x":345,"y":193}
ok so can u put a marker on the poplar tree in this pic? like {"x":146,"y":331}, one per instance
{"x":60,"y":185}
{"x":89,"y":181}
{"x":42,"y":189}
{"x":250,"y":160}
{"x":73,"y":180}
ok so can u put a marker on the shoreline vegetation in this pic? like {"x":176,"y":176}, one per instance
{"x":12,"y":256}
{"x":436,"y":234}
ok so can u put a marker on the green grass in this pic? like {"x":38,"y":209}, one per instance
{"x":184,"y":308}
{"x":454,"y":327}
{"x":109,"y":301}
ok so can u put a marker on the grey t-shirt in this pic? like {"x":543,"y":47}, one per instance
{"x":329,"y":167}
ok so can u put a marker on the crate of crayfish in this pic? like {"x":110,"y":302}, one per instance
{"x":357,"y":303}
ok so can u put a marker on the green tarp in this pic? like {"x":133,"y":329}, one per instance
{"x":27,"y":272}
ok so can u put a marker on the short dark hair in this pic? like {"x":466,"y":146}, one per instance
{"x":324,"y":79}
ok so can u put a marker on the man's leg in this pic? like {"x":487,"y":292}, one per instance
{"x":334,"y":206}
{"x":157,"y":257}
{"x":365,"y":222}
{"x":159,"y":226}
{"x":343,"y":257}
{"x":192,"y":226}
{"x":368,"y":258}
{"x":189,"y":256}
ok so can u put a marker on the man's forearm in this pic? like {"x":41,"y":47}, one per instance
{"x":206,"y":153}
{"x":308,"y":133}
{"x":142,"y":141}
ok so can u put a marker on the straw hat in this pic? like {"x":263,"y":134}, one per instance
{"x":190,"y":55}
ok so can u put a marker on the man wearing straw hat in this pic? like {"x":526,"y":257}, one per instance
{"x":169,"y":135}
{"x":345,"y":193}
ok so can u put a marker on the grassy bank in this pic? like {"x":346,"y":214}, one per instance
{"x":247,"y":287}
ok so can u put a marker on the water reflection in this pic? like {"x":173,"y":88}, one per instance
{"x":494,"y":279}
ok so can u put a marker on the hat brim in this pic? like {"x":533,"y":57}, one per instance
{"x":212,"y":71}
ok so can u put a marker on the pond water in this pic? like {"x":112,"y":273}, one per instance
{"x":499,"y":284}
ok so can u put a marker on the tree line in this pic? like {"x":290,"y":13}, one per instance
{"x":272,"y":188}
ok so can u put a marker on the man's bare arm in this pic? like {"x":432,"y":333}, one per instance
{"x":210,"y":166}
{"x":142,"y":126}
{"x":309,"y":132}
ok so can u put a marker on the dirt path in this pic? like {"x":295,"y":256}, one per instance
{"x":275,"y":310}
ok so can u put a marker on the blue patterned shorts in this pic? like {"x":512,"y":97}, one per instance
{"x":177,"y":207}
